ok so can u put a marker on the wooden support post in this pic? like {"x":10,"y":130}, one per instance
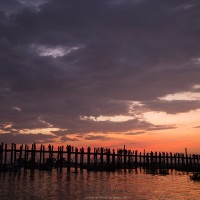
{"x":33,"y":157}
{"x":34,"y":147}
{"x":95,"y":157}
{"x":147,"y":160}
{"x":113,"y":159}
{"x":57,"y":164}
{"x":82,"y":158}
{"x":144,"y":159}
{"x":25,"y":157}
{"x":198,"y":164}
{"x":197,"y":161}
{"x":50,"y":161}
{"x":101,"y":159}
{"x":151,"y":157}
{"x":40,"y":161}
{"x":76,"y":160}
{"x":129,"y":159}
{"x":167,"y":161}
{"x":43,"y":155}
{"x":58,"y":158}
{"x":160,"y":161}
{"x":61,"y":157}
{"x":156,"y":159}
{"x":5,"y":156}
{"x":183,"y":161}
{"x":186,"y":158}
{"x":140,"y":160}
{"x":108,"y":158}
{"x":15,"y":153}
{"x":49,"y":151}
{"x":191,"y":161}
{"x":163,"y":159}
{"x":68,"y":158}
{"x":171,"y":160}
{"x":88,"y":158}
{"x":125,"y":153}
{"x":20,"y":157}
{"x":178,"y":160}
{"x":136,"y":158}
{"x":194,"y":160}
{"x":121,"y":158}
{"x":175,"y":161}
{"x":1,"y":155}
{"x":11,"y":155}
{"x":52,"y":153}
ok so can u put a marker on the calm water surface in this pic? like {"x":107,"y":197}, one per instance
{"x":135,"y":185}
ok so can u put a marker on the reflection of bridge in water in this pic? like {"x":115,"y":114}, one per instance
{"x":100,"y":159}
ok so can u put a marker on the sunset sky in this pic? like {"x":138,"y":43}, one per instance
{"x":101,"y":73}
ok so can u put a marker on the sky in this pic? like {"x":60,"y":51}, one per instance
{"x":101,"y":73}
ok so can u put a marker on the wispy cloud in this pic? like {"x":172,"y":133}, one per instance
{"x":57,"y":51}
{"x":64,"y":139}
{"x":135,"y":133}
{"x":16,"y":108}
{"x":196,"y":127}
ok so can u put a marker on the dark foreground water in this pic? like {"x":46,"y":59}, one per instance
{"x":135,"y":185}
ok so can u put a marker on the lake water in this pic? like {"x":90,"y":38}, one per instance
{"x":135,"y":185}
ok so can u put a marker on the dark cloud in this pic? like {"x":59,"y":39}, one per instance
{"x":27,"y":138}
{"x":86,"y":126}
{"x":172,"y":107}
{"x":97,"y":137}
{"x":67,"y":59}
{"x":60,"y":133}
{"x":64,"y":139}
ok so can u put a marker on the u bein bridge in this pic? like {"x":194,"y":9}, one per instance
{"x":100,"y":159}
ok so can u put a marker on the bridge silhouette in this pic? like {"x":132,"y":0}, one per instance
{"x":98,"y":159}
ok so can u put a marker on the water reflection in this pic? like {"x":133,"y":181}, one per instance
{"x":134,"y":184}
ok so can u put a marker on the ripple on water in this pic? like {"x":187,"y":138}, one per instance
{"x":97,"y":185}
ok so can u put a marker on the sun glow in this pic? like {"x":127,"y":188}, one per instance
{"x":161,"y":118}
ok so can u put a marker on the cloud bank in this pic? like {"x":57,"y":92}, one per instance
{"x":64,"y":60}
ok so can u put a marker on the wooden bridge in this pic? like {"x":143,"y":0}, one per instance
{"x":100,"y":159}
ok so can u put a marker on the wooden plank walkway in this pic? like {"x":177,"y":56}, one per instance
{"x":100,"y":159}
